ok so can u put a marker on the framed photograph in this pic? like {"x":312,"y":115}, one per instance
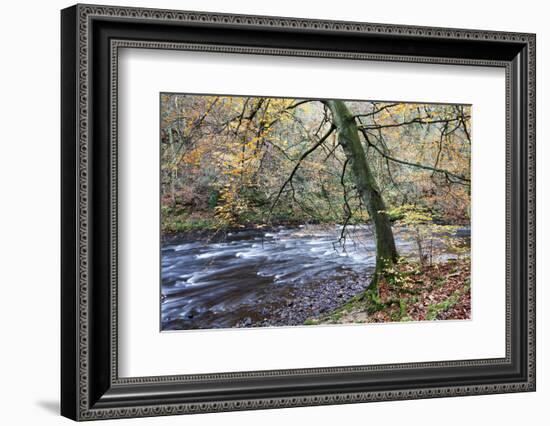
{"x":263,"y":212}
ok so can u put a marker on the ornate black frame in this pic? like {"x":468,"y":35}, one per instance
{"x":91,"y":37}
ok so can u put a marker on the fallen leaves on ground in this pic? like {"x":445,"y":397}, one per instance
{"x":409,"y":292}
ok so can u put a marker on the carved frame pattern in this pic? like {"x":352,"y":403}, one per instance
{"x":85,"y":409}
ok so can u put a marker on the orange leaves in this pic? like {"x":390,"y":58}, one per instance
{"x":236,"y":152}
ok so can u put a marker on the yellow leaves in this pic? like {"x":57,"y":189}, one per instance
{"x":236,"y":171}
{"x":243,"y":148}
{"x":230,"y":204}
{"x":398,"y":110}
{"x":193,"y":157}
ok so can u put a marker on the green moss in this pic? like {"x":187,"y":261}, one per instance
{"x":437,"y":308}
{"x":402,"y":308}
{"x":368,"y":301}
{"x":404,"y":288}
{"x":184,"y":223}
{"x":336,"y":316}
{"x":439,"y":282}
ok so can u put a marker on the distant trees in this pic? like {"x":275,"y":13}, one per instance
{"x":243,"y":160}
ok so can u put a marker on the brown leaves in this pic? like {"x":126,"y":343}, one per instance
{"x":440,"y":291}
{"x":437,"y":292}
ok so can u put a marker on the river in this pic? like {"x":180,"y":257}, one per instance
{"x":266,"y":278}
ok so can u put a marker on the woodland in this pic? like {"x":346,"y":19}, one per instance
{"x":389,"y":179}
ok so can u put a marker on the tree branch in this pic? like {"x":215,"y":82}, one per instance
{"x":347,"y":207}
{"x":297,"y":104}
{"x":370,"y":114}
{"x":297,"y":166}
{"x":460,"y":179}
{"x":417,"y":120}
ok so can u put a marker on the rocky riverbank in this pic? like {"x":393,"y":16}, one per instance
{"x":312,"y":300}
{"x":294,"y":276}
{"x":440,"y":291}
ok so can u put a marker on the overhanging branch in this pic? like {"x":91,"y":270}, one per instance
{"x":449,"y":175}
{"x":297,"y":166}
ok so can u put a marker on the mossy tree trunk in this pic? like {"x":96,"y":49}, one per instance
{"x":348,"y":138}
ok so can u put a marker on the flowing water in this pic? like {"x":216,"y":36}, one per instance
{"x":255,"y":277}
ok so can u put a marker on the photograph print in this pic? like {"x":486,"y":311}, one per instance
{"x":280,"y":212}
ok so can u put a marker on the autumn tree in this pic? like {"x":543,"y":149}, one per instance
{"x":251,"y":160}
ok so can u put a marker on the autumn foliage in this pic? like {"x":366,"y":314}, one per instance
{"x":225,"y":159}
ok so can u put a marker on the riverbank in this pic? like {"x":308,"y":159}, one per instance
{"x":220,"y":232}
{"x":281,"y":276}
{"x":317,"y":298}
{"x":440,"y":291}
{"x":262,"y":277}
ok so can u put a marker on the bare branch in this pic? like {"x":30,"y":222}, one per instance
{"x":347,"y":207}
{"x":460,"y":179}
{"x":416,"y":120}
{"x":441,"y":136}
{"x":370,"y":114}
{"x":297,"y":166}
{"x":297,"y":104}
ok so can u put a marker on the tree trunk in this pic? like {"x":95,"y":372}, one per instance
{"x":348,"y":138}
{"x":173,"y":168}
